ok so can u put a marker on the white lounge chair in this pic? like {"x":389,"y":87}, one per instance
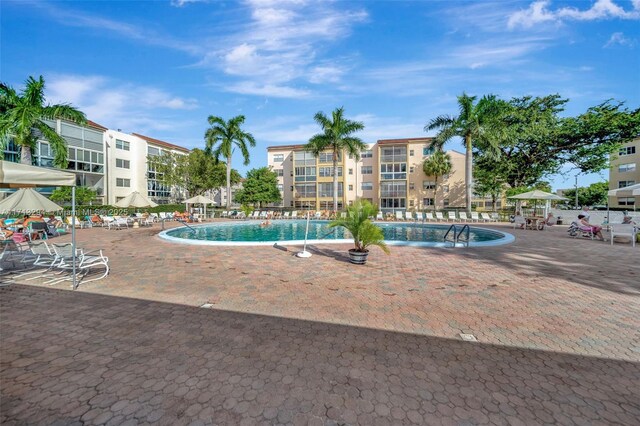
{"x":85,"y":262}
{"x":475,"y":217}
{"x":463,"y":216}
{"x":518,"y":221}
{"x":452,"y":217}
{"x":624,"y":230}
{"x":294,"y":214}
{"x":379,"y":216}
{"x":399,"y":216}
{"x":439,"y":216}
{"x":419,"y":217}
{"x":408,"y":216}
{"x":486,"y":217}
{"x":428,"y":216}
{"x":285,"y":215}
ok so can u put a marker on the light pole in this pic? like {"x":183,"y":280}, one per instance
{"x":577,"y":191}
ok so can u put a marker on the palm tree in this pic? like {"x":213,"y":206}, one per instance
{"x":223,"y":138}
{"x":21,"y":118}
{"x":472,"y":125}
{"x":336,"y":137}
{"x":438,"y":164}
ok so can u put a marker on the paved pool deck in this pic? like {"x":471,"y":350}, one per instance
{"x":322,"y":341}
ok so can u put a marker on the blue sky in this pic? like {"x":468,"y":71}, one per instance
{"x":160,"y":68}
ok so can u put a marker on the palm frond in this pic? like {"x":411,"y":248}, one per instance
{"x":64,"y":111}
{"x":440,"y":122}
{"x":33,"y":92}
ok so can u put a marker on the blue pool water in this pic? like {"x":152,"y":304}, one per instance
{"x":292,"y":232}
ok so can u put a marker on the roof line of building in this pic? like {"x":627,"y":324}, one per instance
{"x":161,"y":143}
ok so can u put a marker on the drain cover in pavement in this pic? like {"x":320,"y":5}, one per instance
{"x":468,"y":337}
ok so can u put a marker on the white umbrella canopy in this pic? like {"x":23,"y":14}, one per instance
{"x":538,"y":195}
{"x":628,"y":191}
{"x":199,"y":199}
{"x":27,"y":200}
{"x":135,"y":199}
{"x":16,"y":175}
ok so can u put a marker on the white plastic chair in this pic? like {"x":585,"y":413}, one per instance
{"x":408,"y":216}
{"x":452,"y":217}
{"x":485,"y":217}
{"x":475,"y":217}
{"x":379,"y":216}
{"x":399,"y":215}
{"x":519,"y":221}
{"x":463,"y":216}
{"x":439,"y":216}
{"x":419,"y":217}
{"x":624,"y":230}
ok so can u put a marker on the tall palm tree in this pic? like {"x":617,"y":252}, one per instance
{"x":337,"y":137}
{"x":472,"y":125}
{"x":21,"y":118}
{"x":222,"y":139}
{"x":436,"y":165}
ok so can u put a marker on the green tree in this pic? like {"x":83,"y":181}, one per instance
{"x":474,"y":125}
{"x":196,"y":172}
{"x":488,"y":181}
{"x":336,"y":137}
{"x":594,"y":194}
{"x":535,"y":142}
{"x":436,"y":165}
{"x":21,"y":118}
{"x":260,"y":186}
{"x":223,"y":137}
{"x":84,"y":195}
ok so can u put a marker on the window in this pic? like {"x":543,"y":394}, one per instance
{"x":367,"y":154}
{"x":412,"y":185}
{"x":411,"y":169}
{"x":119,"y":198}
{"x":367,"y":185}
{"x":328,"y":171}
{"x":123,"y":183}
{"x":278,"y":158}
{"x":152,"y":150}
{"x":446,"y":202}
{"x":350,"y":187}
{"x":279,"y":172}
{"x":629,"y":167}
{"x":427,"y":202}
{"x":367,"y":170}
{"x":307,"y":174}
{"x":325,"y":189}
{"x":626,"y":201}
{"x":123,"y":145}
{"x":307,"y":190}
{"x":625,"y":183}
{"x":393,"y":189}
{"x":428,"y":184}
{"x":123,"y":164}
{"x":445,"y":188}
{"x":427,"y":151}
{"x":393,"y":203}
{"x":327,"y":157}
{"x":411,"y":201}
{"x":393,"y":154}
{"x":627,"y":150}
{"x":394,"y":171}
{"x":411,"y":153}
{"x":350,"y":171}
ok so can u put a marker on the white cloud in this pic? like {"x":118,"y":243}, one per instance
{"x":182,"y":3}
{"x":271,"y":90}
{"x":620,"y":39}
{"x":116,"y":104}
{"x":539,"y":12}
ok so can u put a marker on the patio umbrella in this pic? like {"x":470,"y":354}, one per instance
{"x":538,"y":195}
{"x":135,"y":199}
{"x":26,"y":200}
{"x":627,"y":191}
{"x":199,"y":199}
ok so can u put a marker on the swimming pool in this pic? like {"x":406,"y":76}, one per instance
{"x":292,"y":232}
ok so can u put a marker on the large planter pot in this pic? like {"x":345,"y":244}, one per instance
{"x":358,"y":257}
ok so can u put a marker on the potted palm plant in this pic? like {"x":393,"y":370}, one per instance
{"x":365,"y":233}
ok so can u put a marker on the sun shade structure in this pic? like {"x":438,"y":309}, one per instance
{"x":26,"y":201}
{"x":15,"y":175}
{"x":627,"y":191}
{"x":135,"y":199}
{"x":199,"y":199}
{"x":538,"y":195}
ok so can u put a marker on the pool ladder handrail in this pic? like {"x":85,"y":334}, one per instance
{"x":184,"y":223}
{"x":457,"y":235}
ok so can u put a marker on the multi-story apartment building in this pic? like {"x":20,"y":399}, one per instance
{"x":85,"y":153}
{"x":625,"y":171}
{"x":111,"y":162}
{"x":389,"y":174}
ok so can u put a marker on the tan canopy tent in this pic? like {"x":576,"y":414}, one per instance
{"x":135,"y":199}
{"x":15,"y":175}
{"x":26,"y":201}
{"x":199,"y":199}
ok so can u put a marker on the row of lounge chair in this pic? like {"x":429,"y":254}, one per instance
{"x":53,"y":263}
{"x":451,"y":216}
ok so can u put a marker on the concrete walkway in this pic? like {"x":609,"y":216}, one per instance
{"x":321,"y":341}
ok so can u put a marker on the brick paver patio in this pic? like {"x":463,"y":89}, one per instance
{"x":313,"y":341}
